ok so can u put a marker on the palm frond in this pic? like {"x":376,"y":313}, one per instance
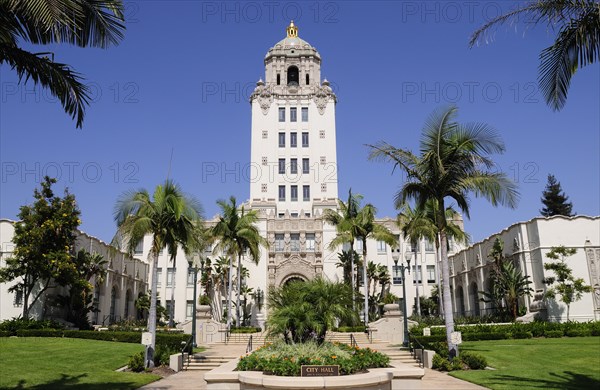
{"x":62,"y":82}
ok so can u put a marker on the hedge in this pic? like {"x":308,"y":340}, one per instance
{"x":171,"y":341}
{"x":536,"y":328}
{"x":247,"y":329}
{"x":347,"y":329}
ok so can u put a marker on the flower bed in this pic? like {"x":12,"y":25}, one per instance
{"x":286,"y":359}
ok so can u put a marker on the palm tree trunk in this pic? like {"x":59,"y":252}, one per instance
{"x":440,"y":292}
{"x":352,"y":273}
{"x":448,"y":314}
{"x":418,"y":277}
{"x":365,"y":281}
{"x":239,"y":288}
{"x":172,"y":311}
{"x":229,"y":283}
{"x":152,"y":311}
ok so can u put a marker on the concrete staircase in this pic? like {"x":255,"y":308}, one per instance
{"x":200,"y":362}
{"x":397,"y":354}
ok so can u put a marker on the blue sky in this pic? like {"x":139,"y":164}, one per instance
{"x":179,"y":84}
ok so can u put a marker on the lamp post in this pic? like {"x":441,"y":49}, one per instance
{"x":403,"y":267}
{"x":195,"y":269}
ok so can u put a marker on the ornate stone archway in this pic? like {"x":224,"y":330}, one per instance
{"x":294,"y":266}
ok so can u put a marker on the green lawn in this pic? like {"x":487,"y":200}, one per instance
{"x":565,"y":363}
{"x":62,"y":363}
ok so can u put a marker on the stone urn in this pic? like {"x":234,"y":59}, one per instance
{"x":203,"y":311}
{"x":389,"y":307}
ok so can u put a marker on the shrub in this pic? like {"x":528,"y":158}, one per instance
{"x":246,"y":329}
{"x":441,"y":363}
{"x":162,"y":355}
{"x":522,"y":335}
{"x":553,"y":334}
{"x":485,"y":336}
{"x":39,"y":333}
{"x":457,"y":364}
{"x":4,"y":333}
{"x":204,"y":300}
{"x":286,"y":359}
{"x":172,"y":341}
{"x":578,"y":333}
{"x":13,"y":325}
{"x":136,"y":362}
{"x":473,"y":360}
{"x":347,"y":329}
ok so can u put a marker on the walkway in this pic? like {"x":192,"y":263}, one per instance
{"x":194,"y":380}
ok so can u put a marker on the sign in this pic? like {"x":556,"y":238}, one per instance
{"x":146,"y":338}
{"x":426,"y":331}
{"x":456,"y":338}
{"x":319,"y":370}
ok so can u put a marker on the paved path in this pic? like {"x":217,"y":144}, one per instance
{"x":188,"y":380}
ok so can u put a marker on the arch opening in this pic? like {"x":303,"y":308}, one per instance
{"x":293,"y":77}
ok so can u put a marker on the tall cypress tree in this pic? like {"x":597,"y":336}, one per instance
{"x":555,"y":200}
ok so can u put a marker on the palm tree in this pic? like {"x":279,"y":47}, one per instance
{"x":346,"y":261}
{"x":367,"y":228}
{"x":419,"y":223}
{"x":303,"y":311}
{"x":510,"y":284}
{"x":237,"y":235}
{"x":453,"y":162}
{"x":576,"y":45}
{"x":344,"y":222}
{"x":83,"y":23}
{"x":171,"y":217}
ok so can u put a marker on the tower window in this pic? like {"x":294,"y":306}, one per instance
{"x":281,"y":114}
{"x":281,"y":193}
{"x":307,"y":79}
{"x":263,"y":187}
{"x":305,"y":165}
{"x":278,"y":79}
{"x":323,"y":160}
{"x":304,"y":114}
{"x":323,"y":187}
{"x":265,"y":134}
{"x":306,"y":193}
{"x":305,"y":139}
{"x":282,"y":140}
{"x":321,"y":133}
{"x":294,"y":193}
{"x":293,"y":114}
{"x":264,"y":161}
{"x":293,"y":140}
{"x":282,"y":165}
{"x":292,"y":76}
{"x":294,"y":166}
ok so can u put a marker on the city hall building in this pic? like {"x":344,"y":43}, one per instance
{"x":293,"y":155}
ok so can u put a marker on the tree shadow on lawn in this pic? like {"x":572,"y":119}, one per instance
{"x":71,"y":382}
{"x":566,"y":380}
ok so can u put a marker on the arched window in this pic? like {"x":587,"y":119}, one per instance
{"x":307,"y":79}
{"x":474,"y":300}
{"x":127,"y":303}
{"x":113,"y":305}
{"x":292,"y":76}
{"x":460,"y":304}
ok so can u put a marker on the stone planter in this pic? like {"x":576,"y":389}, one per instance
{"x":389,"y":307}
{"x":203,"y":311}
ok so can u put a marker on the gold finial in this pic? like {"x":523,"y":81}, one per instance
{"x":292,"y":30}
